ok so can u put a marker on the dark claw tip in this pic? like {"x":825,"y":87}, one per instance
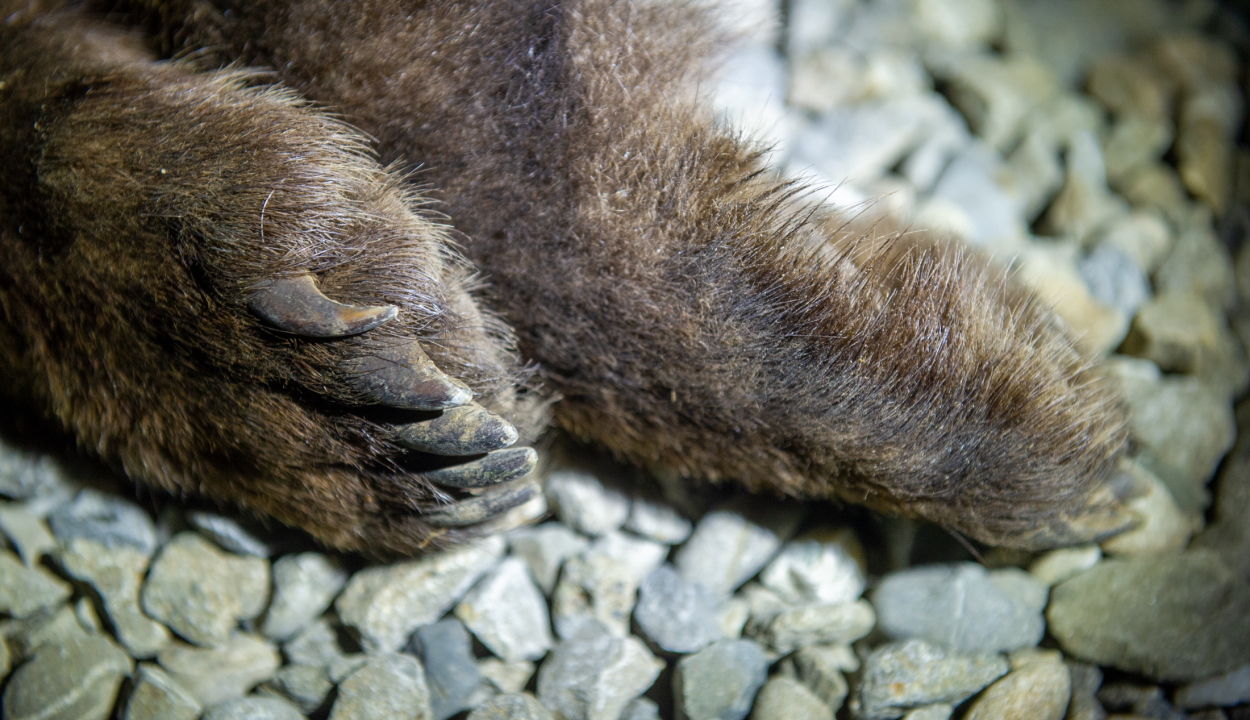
{"x":483,"y":507}
{"x":403,"y":376}
{"x":297,"y":306}
{"x":498,"y":467}
{"x":467,"y":430}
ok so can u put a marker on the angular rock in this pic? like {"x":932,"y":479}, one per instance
{"x":730,"y":545}
{"x":1199,"y":263}
{"x":1171,"y":617}
{"x":506,"y":677}
{"x":639,"y":555}
{"x":27,"y":533}
{"x":107,"y":519}
{"x":33,"y":476}
{"x":1130,"y":87}
{"x":958,"y":24}
{"x":157,"y":697}
{"x":225,"y":672}
{"x":961,"y":607}
{"x":835,"y":623}
{"x":1037,"y":688}
{"x":812,"y":570}
{"x":506,"y":611}
{"x":677,"y":615}
{"x":451,"y":675}
{"x":594,"y":588}
{"x":1134,"y":143}
{"x":1085,"y":680}
{"x":545,"y":548}
{"x":305,"y":686}
{"x":74,"y":680}
{"x":116,"y":574}
{"x":24,"y":590}
{"x":1180,"y":332}
{"x":388,"y":686}
{"x":584,"y":503}
{"x":720,"y":681}
{"x":783,"y":698}
{"x":1034,"y":173}
{"x":864,"y":140}
{"x":899,"y":677}
{"x":594,"y":674}
{"x":254,"y":708}
{"x":202,"y":592}
{"x":316,"y":644}
{"x":51,"y":626}
{"x":387,"y":602}
{"x":642,"y":708}
{"x":513,"y":706}
{"x":996,"y":95}
{"x":1223,"y":690}
{"x":820,"y":667}
{"x":1084,"y":203}
{"x":1058,"y":565}
{"x":657,"y":521}
{"x":1142,"y":236}
{"x":304,"y":585}
{"x":970,"y":184}
{"x":1114,"y":279}
{"x":229,"y":534}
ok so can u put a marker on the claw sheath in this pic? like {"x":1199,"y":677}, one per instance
{"x":483,"y":507}
{"x":493,"y":469}
{"x":466,"y":430}
{"x":403,"y":376}
{"x":297,"y":306}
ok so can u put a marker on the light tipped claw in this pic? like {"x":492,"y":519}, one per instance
{"x":467,"y":430}
{"x":482,"y":507}
{"x":498,"y":467}
{"x":298,"y":306}
{"x":403,"y":376}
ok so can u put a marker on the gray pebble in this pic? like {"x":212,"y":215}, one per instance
{"x":784,"y":698}
{"x":33,"y":476}
{"x":74,"y":680}
{"x":516,"y":706}
{"x":899,"y":677}
{"x":116,"y":574}
{"x":390,"y":686}
{"x":317,"y":644}
{"x":1226,"y":690}
{"x":107,"y":519}
{"x":507,"y":612}
{"x":54,"y":626}
{"x":545,"y":548}
{"x":676,"y":614}
{"x":25,"y":590}
{"x":506,"y":677}
{"x":838,"y":623}
{"x":386,"y":603}
{"x":595,"y":674}
{"x":657,"y":521}
{"x":1114,"y":279}
{"x":585,"y":504}
{"x":639,"y":555}
{"x":720,"y":681}
{"x":820,"y":667}
{"x":962,"y":607}
{"x":642,"y":708}
{"x":451,"y":675}
{"x":594,"y":588}
{"x":306,"y":686}
{"x":969,"y":183}
{"x":1171,"y":617}
{"x":225,"y":672}
{"x":254,"y":708}
{"x":304,"y":585}
{"x":1139,"y":700}
{"x":726,"y":548}
{"x":229,"y":534}
{"x":157,"y":697}
{"x":201,"y":591}
{"x":810,"y":570}
{"x":28,"y":534}
{"x":345,"y":665}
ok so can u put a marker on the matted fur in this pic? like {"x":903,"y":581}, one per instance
{"x":690,"y":312}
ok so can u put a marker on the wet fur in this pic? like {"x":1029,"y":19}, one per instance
{"x":691,"y":312}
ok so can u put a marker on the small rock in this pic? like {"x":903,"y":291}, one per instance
{"x":1084,"y":704}
{"x":970,"y":183}
{"x":1130,"y":87}
{"x":116,"y":574}
{"x":996,"y":95}
{"x":1210,"y":119}
{"x":1114,"y":279}
{"x":1084,"y":204}
{"x":595,"y":674}
{"x":345,"y":665}
{"x":1058,"y":565}
{"x":201,"y":592}
{"x":28,"y":534}
{"x":1171,"y":617}
{"x":157,"y":697}
{"x":33,"y":476}
{"x":1155,"y":187}
{"x":720,"y":681}
{"x":1034,"y":173}
{"x":810,"y":570}
{"x":545,"y":548}
{"x":388,"y":686}
{"x":639,"y":555}
{"x":25,"y":590}
{"x":899,"y":677}
{"x":1198,"y":264}
{"x":1135,"y":143}
{"x":303,"y":587}
{"x":506,"y":611}
{"x":107,"y":519}
{"x":1037,"y":688}
{"x":513,"y":706}
{"x":74,"y":680}
{"x":1162,"y":526}
{"x":732,"y":617}
{"x":677,"y":615}
{"x":862,"y":141}
{"x":1050,"y":269}
{"x":254,"y":708}
{"x":837,"y":623}
{"x":1224,"y":690}
{"x":506,"y":677}
{"x":782,"y":698}
{"x":1146,"y":701}
{"x":214,"y":675}
{"x":728,"y":547}
{"x":642,"y":708}
{"x":307,"y":686}
{"x":958,"y":24}
{"x":317,"y":644}
{"x":657,"y":521}
{"x":1142,"y":236}
{"x":451,"y":674}
{"x":820,"y":667}
{"x":1180,"y":332}
{"x":88,"y":618}
{"x":941,"y":711}
{"x":50,"y":626}
{"x":1229,"y":534}
{"x":594,"y":588}
{"x":962,"y":607}
{"x":387,"y":602}
{"x":229,"y":534}
{"x":585,"y":504}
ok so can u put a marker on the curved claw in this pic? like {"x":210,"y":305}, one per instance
{"x":467,"y":430}
{"x":403,"y":376}
{"x":493,"y":469}
{"x":297,"y":306}
{"x":482,"y":507}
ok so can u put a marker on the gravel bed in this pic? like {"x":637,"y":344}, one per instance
{"x":1089,"y":144}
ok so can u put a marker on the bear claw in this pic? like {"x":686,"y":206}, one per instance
{"x":494,"y":468}
{"x":481,"y":508}
{"x":466,"y":430}
{"x":403,"y":376}
{"x":298,"y":306}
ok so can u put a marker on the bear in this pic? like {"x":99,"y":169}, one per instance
{"x":342,"y":264}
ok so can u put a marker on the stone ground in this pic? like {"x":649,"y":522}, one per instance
{"x":1089,"y":144}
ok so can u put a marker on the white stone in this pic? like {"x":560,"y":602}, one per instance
{"x":585,"y":504}
{"x":639,"y":555}
{"x":657,"y":521}
{"x":814,"y":571}
{"x":1224,"y":690}
{"x":545,"y":548}
{"x":507,"y":613}
{"x":726,"y":549}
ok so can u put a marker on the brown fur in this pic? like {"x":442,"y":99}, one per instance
{"x":691,"y":313}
